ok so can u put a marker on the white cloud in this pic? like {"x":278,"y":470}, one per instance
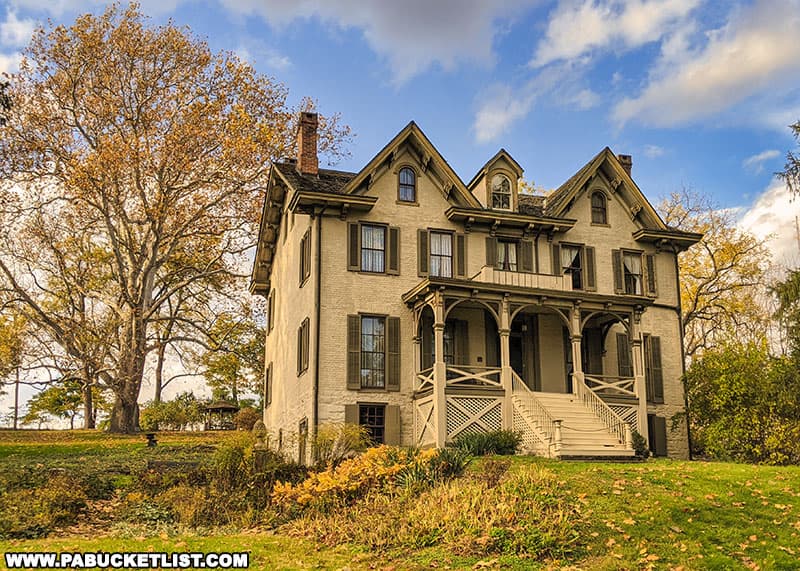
{"x":413,"y":35}
{"x":14,"y":32}
{"x":756,"y":53}
{"x":653,"y":151}
{"x":9,"y":63}
{"x":773,"y":217}
{"x":579,"y":27}
{"x":501,"y":106}
{"x":257,"y":53}
{"x":755,"y":163}
{"x":58,"y":8}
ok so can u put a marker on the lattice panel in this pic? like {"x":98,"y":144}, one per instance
{"x":628,"y":413}
{"x":473,"y":414}
{"x":531,"y":440}
{"x":423,"y":421}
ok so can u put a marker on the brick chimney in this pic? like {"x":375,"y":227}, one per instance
{"x":627,"y":163}
{"x":307,"y":161}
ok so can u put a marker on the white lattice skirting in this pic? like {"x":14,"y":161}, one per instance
{"x":470,"y":415}
{"x":628,"y":413}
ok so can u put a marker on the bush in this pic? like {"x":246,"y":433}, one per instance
{"x":640,"y":445}
{"x":246,"y":418}
{"x":336,"y":442}
{"x":187,"y":503}
{"x":503,"y":442}
{"x":35,"y":512}
{"x":176,"y":414}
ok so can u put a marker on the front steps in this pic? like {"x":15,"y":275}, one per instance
{"x":583,"y":435}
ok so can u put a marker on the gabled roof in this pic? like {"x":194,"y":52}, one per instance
{"x":327,"y":181}
{"x":502,"y":153}
{"x":429,"y":154}
{"x":558,"y":202}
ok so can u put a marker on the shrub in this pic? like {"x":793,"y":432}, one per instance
{"x":640,"y":446}
{"x":35,"y":512}
{"x":246,"y":418}
{"x":503,"y":442}
{"x":187,"y":503}
{"x":335,"y":442}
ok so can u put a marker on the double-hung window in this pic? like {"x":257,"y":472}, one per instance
{"x":571,"y":263}
{"x":373,"y":418}
{"x":407,"y":185}
{"x":501,"y":192}
{"x":373,"y":248}
{"x":373,"y":352}
{"x":632,"y":272}
{"x":506,"y":255}
{"x":441,"y":254}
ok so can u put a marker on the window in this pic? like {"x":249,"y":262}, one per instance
{"x":632,"y":272}
{"x":599,"y":213}
{"x":501,"y":192}
{"x":506,"y":255}
{"x":449,"y":336}
{"x":305,"y":257}
{"x":373,"y":248}
{"x":441,"y":254}
{"x":407,"y":185}
{"x":373,"y":418}
{"x":571,"y":264}
{"x":653,"y":373}
{"x":373,"y":352}
{"x":302,"y":347}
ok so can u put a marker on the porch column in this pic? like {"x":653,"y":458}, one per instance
{"x":637,"y":348}
{"x":439,"y":371}
{"x":417,"y":352}
{"x":575,"y":339}
{"x":506,"y":378}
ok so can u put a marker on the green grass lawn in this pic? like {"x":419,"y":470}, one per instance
{"x":659,"y":514}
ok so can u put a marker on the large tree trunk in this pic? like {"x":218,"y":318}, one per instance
{"x":88,"y":407}
{"x":159,"y":373}
{"x":125,"y":414}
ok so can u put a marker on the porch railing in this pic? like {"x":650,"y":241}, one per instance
{"x":613,"y":422}
{"x":611,"y":386}
{"x":425,"y":378}
{"x":462,"y":376}
{"x":490,"y":274}
{"x":549,"y":428}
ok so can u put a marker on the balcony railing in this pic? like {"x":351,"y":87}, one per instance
{"x":605,"y":385}
{"x":491,"y":275}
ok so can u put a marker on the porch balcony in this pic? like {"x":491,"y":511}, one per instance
{"x":492,"y":275}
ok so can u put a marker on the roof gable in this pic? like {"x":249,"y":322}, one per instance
{"x":605,"y":165}
{"x":502,"y":154}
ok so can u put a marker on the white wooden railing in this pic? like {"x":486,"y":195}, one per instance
{"x":611,"y":386}
{"x":467,"y":375}
{"x":425,"y":378}
{"x":548,"y":427}
{"x":601,"y":410}
{"x":491,"y":275}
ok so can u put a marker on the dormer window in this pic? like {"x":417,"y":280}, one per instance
{"x":407,"y":185}
{"x":501,"y":192}
{"x":599,"y":210}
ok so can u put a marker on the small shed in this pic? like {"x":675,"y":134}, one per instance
{"x":219,"y":415}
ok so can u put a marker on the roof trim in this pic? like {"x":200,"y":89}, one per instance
{"x":485,"y":168}
{"x":487,"y":216}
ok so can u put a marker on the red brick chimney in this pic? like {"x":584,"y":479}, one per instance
{"x":307,"y":161}
{"x":627,"y":163}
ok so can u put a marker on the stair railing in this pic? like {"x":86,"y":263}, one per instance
{"x":536,"y":411}
{"x":601,"y":410}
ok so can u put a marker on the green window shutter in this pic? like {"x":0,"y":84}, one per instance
{"x":426,"y":333}
{"x":393,"y":353}
{"x":491,"y":251}
{"x":624,"y":355}
{"x":461,"y":255}
{"x":391,"y":434}
{"x":659,"y":437}
{"x":302,"y":260}
{"x":353,"y":352}
{"x":591,"y":276}
{"x":393,"y":267}
{"x":656,"y":370}
{"x":268,"y":388}
{"x":650,"y":268}
{"x":353,"y":247}
{"x":526,"y":256}
{"x":306,"y":343}
{"x":462,"y":342}
{"x":422,"y":253}
{"x":351,"y":414}
{"x":299,"y":349}
{"x":616,"y":263}
{"x":271,"y":311}
{"x":556,"y":259}
{"x":308,"y":254}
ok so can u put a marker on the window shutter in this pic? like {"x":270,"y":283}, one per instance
{"x":306,"y":343}
{"x":491,"y":251}
{"x":526,"y":255}
{"x":393,"y":267}
{"x":616,"y":263}
{"x":656,"y":370}
{"x":268,"y":388}
{"x":624,"y":355}
{"x":659,"y":436}
{"x":461,"y":255}
{"x":299,"y":349}
{"x":591,"y":277}
{"x":422,"y":253}
{"x":353,"y":352}
{"x":353,"y":248}
{"x":426,"y":333}
{"x":308,"y":254}
{"x":393,"y":353}
{"x":351,"y":414}
{"x":271,"y":311}
{"x":302,"y":259}
{"x":556,"y":256}
{"x":391,"y":435}
{"x":650,"y":265}
{"x":462,"y":342}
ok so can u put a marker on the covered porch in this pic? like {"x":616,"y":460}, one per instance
{"x":548,"y":363}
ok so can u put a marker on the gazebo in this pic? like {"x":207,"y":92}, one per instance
{"x":219,"y":415}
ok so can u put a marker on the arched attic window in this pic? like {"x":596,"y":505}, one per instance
{"x":599,"y":208}
{"x":407,"y":185}
{"x":501,"y":192}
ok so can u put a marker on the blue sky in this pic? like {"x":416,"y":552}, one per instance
{"x":699,"y":92}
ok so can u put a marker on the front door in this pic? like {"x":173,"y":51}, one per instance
{"x":522,"y":348}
